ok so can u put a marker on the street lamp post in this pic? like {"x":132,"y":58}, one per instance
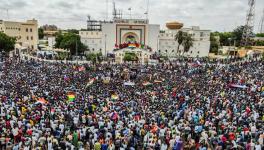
{"x":105,"y":45}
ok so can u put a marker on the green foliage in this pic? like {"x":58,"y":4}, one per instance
{"x":260,"y":35}
{"x":62,"y":55}
{"x":70,"y":41}
{"x":7,"y":43}
{"x":179,"y":38}
{"x":73,"y":31}
{"x":94,"y":57}
{"x":214,"y":46}
{"x":248,"y":47}
{"x":187,"y":42}
{"x":229,"y":38}
{"x":259,"y":43}
{"x":130,"y":57}
{"x":41,"y":33}
{"x":237,"y":35}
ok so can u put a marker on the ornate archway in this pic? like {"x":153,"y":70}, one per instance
{"x":130,"y":37}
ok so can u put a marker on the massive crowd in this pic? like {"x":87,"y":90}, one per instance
{"x":179,"y":105}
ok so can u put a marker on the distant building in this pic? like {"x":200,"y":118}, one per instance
{"x":26,"y":33}
{"x":168,"y":46}
{"x":93,"y":40}
{"x":107,"y":36}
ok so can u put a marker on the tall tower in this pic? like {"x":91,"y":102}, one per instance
{"x":249,"y":26}
{"x":261,"y":23}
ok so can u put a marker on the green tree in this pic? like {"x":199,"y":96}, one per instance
{"x":224,"y":38}
{"x":94,"y":57}
{"x":7,"y":43}
{"x":214,"y":46}
{"x":179,"y":38}
{"x":58,"y":39}
{"x":237,"y":35}
{"x":70,"y":41}
{"x":41,"y":33}
{"x":130,"y":57}
{"x":73,"y":31}
{"x":187,"y":43}
{"x":260,"y":35}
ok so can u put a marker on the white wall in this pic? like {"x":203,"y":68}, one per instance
{"x":109,"y":36}
{"x":152,"y":37}
{"x":201,"y":44}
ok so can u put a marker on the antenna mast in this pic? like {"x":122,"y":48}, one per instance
{"x":261,"y":24}
{"x":249,"y":26}
{"x":106,"y":10}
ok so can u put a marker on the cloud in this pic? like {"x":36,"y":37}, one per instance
{"x":221,"y":15}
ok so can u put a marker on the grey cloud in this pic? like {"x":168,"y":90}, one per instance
{"x":209,"y":14}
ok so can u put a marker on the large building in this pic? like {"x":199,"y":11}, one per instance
{"x":26,"y":33}
{"x":168,"y":46}
{"x":105,"y":37}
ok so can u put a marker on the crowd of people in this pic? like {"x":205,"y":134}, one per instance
{"x":178,"y":105}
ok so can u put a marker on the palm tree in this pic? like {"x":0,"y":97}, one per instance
{"x":187,"y":43}
{"x":179,"y":37}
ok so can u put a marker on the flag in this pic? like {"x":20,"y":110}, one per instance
{"x":129,"y":83}
{"x":114,"y":116}
{"x":91,"y":81}
{"x":132,"y":45}
{"x":66,"y":78}
{"x":82,"y":68}
{"x":71,"y":96}
{"x":114,"y":97}
{"x":41,"y":101}
{"x":238,"y":86}
{"x":157,"y":81}
{"x":147,"y":83}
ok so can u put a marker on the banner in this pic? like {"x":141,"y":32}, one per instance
{"x":238,"y":86}
{"x":129,"y":83}
{"x":147,"y":84}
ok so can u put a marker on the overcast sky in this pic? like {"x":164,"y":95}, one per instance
{"x":216,"y":15}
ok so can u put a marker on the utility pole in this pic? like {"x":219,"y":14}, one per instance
{"x":105,"y":45}
{"x":76,"y":47}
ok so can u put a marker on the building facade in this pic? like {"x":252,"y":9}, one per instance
{"x":112,"y":35}
{"x":26,"y":33}
{"x":93,"y":40}
{"x":168,"y":46}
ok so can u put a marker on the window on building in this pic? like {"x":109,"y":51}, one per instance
{"x":18,"y":29}
{"x":198,"y":52}
{"x":93,"y":49}
{"x":26,"y":29}
{"x":30,"y":29}
{"x":191,"y":52}
{"x":201,"y":34}
{"x":27,"y":38}
{"x":31,"y":37}
{"x":32,"y":46}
